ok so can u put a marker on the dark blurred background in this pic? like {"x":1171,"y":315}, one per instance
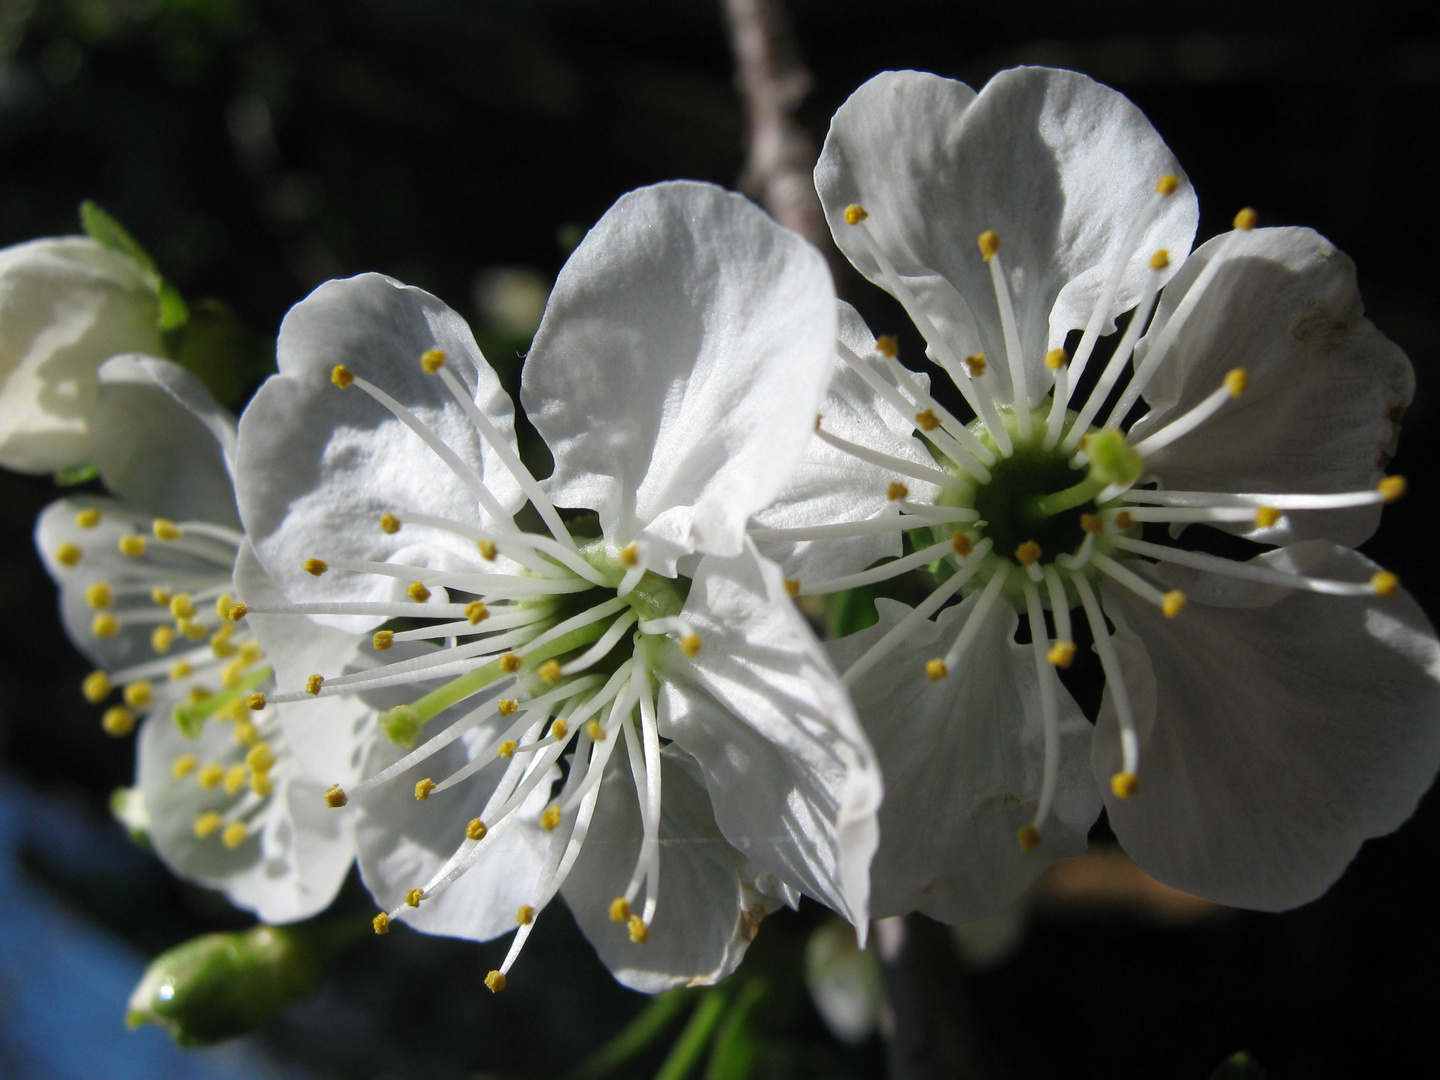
{"x":259,"y":147}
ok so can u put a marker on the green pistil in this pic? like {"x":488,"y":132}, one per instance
{"x":191,"y":718}
{"x":403,"y":723}
{"x":1040,"y":507}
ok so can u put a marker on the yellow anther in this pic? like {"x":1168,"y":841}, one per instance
{"x":630,"y":554}
{"x":1266,"y":517}
{"x":488,"y":550}
{"x":88,"y":518}
{"x":1384,"y":583}
{"x":792,"y":587}
{"x":335,"y":797}
{"x":927,"y":420}
{"x":255,"y":701}
{"x":223,"y":603}
{"x":198,"y":694}
{"x":475,"y":830}
{"x":888,"y":346}
{"x":975,"y":365}
{"x":1167,"y":184}
{"x":232,"y":675}
{"x":418,"y":592}
{"x":690,"y":644}
{"x":234,"y":834}
{"x":1061,"y":654}
{"x":1028,"y":838}
{"x":313,"y":683}
{"x":207,"y":824}
{"x":181,"y":669}
{"x":166,"y":530}
{"x":95,"y":687}
{"x":389,"y":524}
{"x":476,"y":612}
{"x":235,"y":712}
{"x":1028,"y":553}
{"x":105,"y":626}
{"x":99,"y":595}
{"x":131,"y":545}
{"x":68,"y":554}
{"x":315,"y":566}
{"x":619,"y":909}
{"x":935,"y":670}
{"x":1124,"y":521}
{"x":550,"y":818}
{"x":211,"y":775}
{"x":1391,"y":488}
{"x":1124,"y":784}
{"x":510,"y":663}
{"x":525,"y":915}
{"x":1173,"y":603}
{"x":507,"y":748}
{"x":381,"y":923}
{"x":340,"y":376}
{"x":238,"y":612}
{"x":260,"y":757}
{"x":549,"y":671}
{"x":246,"y":733}
{"x":138,"y":694}
{"x":1245,"y":219}
{"x":1237,"y":381}
{"x":1085,"y":442}
{"x":414,"y":896}
{"x":1160,"y":260}
{"x":382,"y":640}
{"x":989,"y":242}
{"x":118,"y":721}
{"x":161,"y":639}
{"x":819,"y":419}
{"x":854,"y":214}
{"x":560,"y":728}
{"x":897,"y":491}
{"x":181,"y":606}
{"x":423,"y":788}
{"x":432,"y":360}
{"x":507,"y":706}
{"x":222,"y":647}
{"x":183,"y":766}
{"x":960,"y":544}
{"x":1056,"y":359}
{"x":1093,"y":524}
{"x":595,"y":730}
{"x":639,"y":932}
{"x":495,"y":982}
{"x":160,"y":595}
{"x":191,"y":629}
{"x":235,"y":777}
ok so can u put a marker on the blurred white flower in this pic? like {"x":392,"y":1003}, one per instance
{"x":553,"y":684}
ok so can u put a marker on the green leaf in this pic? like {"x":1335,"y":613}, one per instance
{"x":635,"y":1036}
{"x":1240,"y":1066}
{"x":77,"y":474}
{"x":696,"y":1036}
{"x":102,"y":227}
{"x":733,"y":1053}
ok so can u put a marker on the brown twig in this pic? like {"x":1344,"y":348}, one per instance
{"x":773,"y":81}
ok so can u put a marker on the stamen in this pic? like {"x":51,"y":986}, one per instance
{"x":96,"y":687}
{"x":1011,"y":333}
{"x":87,"y":518}
{"x":1049,"y":709}
{"x":883,"y":572}
{"x":1114,"y":680}
{"x":1282,"y":502}
{"x":1197,"y":560}
{"x":1234,"y":385}
{"x":938,"y":477}
{"x":978,"y":614}
{"x":601,"y":648}
{"x":68,"y":554}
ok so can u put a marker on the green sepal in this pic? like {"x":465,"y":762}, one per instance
{"x":77,"y":474}
{"x":218,"y":986}
{"x":102,"y":227}
{"x":1239,"y":1066}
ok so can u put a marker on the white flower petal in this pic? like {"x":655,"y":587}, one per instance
{"x":793,"y":779}
{"x":296,"y":856}
{"x":1056,"y":164}
{"x":1278,"y":728}
{"x":679,"y":366}
{"x":1326,"y":390}
{"x":963,"y":761}
{"x":708,"y":909}
{"x":320,"y":465}
{"x":163,"y":444}
{"x":833,"y":486}
{"x":66,"y":306}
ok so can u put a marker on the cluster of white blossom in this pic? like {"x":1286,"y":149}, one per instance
{"x":358,"y":628}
